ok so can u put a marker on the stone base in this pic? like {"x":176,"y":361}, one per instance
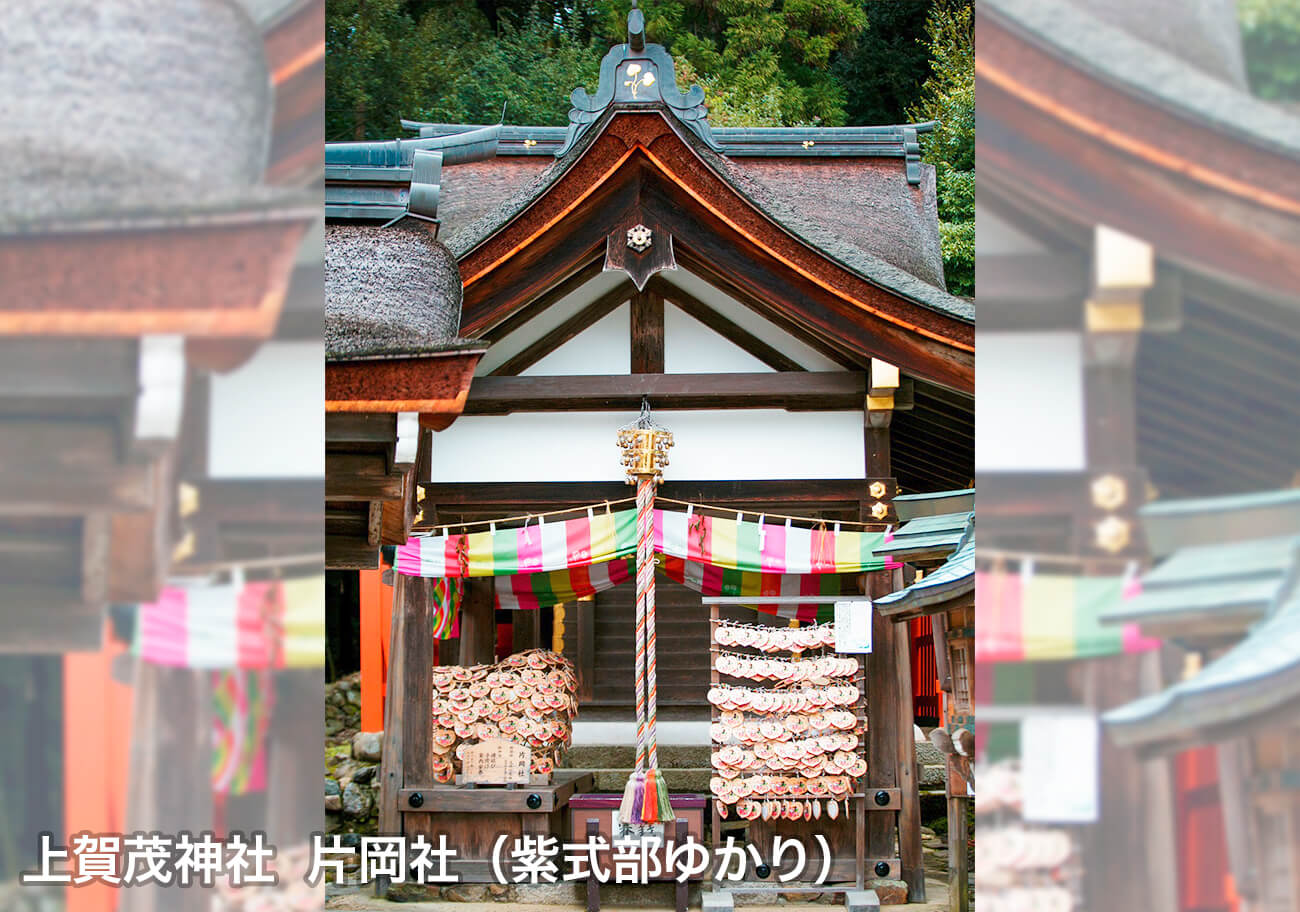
{"x":861,"y":901}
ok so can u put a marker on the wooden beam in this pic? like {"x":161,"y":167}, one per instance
{"x":721,"y":281}
{"x":261,"y":502}
{"x":694,"y":307}
{"x":823,"y":391}
{"x":49,"y":619}
{"x":96,"y":530}
{"x":806,"y":494}
{"x":140,"y":544}
{"x":356,"y":427}
{"x":582,"y":320}
{"x":647,"y":341}
{"x":348,"y":553}
{"x":562,"y":289}
{"x":358,"y":476}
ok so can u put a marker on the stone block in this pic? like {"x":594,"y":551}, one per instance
{"x":861,"y":901}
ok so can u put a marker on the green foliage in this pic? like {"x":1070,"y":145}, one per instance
{"x":760,"y":63}
{"x":883,"y":67}
{"x":447,"y":61}
{"x":948,"y":96}
{"x":1270,"y":39}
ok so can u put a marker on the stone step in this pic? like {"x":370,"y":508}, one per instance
{"x":690,"y":779}
{"x":671,"y":756}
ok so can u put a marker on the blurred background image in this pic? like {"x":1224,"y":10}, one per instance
{"x":161,"y":437}
{"x":1138,"y":439}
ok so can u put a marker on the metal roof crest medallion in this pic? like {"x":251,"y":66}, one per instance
{"x":638,"y":73}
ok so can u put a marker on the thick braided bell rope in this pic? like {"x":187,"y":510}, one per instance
{"x":646,"y":584}
{"x":644,"y":559}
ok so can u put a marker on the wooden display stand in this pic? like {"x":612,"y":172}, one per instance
{"x":474,"y":817}
{"x":845,"y":835}
{"x":412,"y":803}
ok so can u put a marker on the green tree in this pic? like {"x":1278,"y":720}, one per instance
{"x":1270,"y":41}
{"x":948,"y":96}
{"x":883,"y":67}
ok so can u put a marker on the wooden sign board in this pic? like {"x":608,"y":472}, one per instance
{"x":496,"y":762}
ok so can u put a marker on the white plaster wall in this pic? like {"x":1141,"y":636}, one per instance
{"x":1029,"y":402}
{"x":709,"y":446}
{"x":553,"y":316}
{"x":605,"y":347}
{"x":690,"y":347}
{"x":284,"y":436}
{"x":806,"y":356}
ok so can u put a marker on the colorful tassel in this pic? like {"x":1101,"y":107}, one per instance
{"x":650,"y":807}
{"x":625,"y":806}
{"x":638,"y":796}
{"x":665,"y":797}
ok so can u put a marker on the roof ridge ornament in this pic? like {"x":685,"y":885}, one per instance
{"x":642,"y":74}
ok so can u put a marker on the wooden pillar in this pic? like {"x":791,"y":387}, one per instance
{"x":390,"y":766}
{"x":647,"y":333}
{"x":478,"y":623}
{"x":170,"y":786}
{"x":891,"y":749}
{"x":294,"y":809}
{"x":527,"y":630}
{"x":958,"y":874}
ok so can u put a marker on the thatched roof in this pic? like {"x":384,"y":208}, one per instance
{"x":390,"y":292}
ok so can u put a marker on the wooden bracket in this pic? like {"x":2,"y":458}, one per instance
{"x":640,"y":250}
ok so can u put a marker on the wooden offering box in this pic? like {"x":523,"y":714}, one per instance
{"x":473,"y":818}
{"x":604,"y":810}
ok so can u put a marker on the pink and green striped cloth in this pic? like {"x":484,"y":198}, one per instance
{"x":599,"y":538}
{"x":273,"y":624}
{"x":541,"y":590}
{"x":241,"y":716}
{"x":1042,"y":616}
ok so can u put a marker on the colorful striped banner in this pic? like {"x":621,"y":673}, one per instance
{"x":275,"y":624}
{"x":729,"y":544}
{"x":1026,"y":616}
{"x":241,"y":702}
{"x":446,"y":608}
{"x":525,"y":591}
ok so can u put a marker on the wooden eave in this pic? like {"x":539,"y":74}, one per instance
{"x":436,"y":385}
{"x":214,"y":275}
{"x":1093,"y":151}
{"x":295,"y":52}
{"x":371,"y":500}
{"x":640,"y":167}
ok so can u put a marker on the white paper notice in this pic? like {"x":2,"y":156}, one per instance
{"x":1059,"y":762}
{"x":853,"y":626}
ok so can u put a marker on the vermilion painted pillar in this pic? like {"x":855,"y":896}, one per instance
{"x":96,"y":742}
{"x":376,"y":625}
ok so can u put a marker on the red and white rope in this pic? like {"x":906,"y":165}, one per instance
{"x":646,"y":592}
{"x":644,"y":560}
